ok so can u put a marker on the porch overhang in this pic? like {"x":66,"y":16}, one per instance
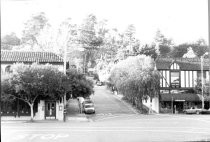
{"x":180,"y":97}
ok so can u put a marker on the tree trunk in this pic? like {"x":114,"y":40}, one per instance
{"x":32,"y":111}
{"x":140,"y":105}
{"x":150,"y":108}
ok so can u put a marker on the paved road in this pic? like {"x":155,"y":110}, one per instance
{"x":113,"y":121}
{"x":108,"y":105}
{"x":123,"y":129}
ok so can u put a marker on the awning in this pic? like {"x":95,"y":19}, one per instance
{"x":179,"y":97}
{"x":206,"y":98}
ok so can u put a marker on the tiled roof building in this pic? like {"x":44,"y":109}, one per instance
{"x":30,"y":56}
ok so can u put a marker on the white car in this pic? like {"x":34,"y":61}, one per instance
{"x":88,"y":108}
{"x":192,"y":111}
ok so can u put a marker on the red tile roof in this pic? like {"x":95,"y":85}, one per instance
{"x":184,"y":63}
{"x":30,"y":56}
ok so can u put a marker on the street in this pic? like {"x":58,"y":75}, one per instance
{"x":108,"y":106}
{"x":113,"y":121}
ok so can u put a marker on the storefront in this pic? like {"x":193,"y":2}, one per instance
{"x":176,"y":103}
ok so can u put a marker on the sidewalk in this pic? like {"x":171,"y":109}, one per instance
{"x":73,"y":112}
{"x":12,"y":119}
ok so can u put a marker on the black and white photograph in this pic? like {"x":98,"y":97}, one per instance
{"x":105,"y":71}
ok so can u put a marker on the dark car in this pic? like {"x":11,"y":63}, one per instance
{"x":205,"y":111}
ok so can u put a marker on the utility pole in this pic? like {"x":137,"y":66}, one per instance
{"x":202,"y":82}
{"x":64,"y":71}
{"x":209,"y":39}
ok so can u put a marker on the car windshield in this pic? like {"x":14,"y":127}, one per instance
{"x":88,"y":101}
{"x":88,"y":106}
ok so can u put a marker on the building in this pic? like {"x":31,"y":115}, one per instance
{"x":178,"y":81}
{"x":43,"y":108}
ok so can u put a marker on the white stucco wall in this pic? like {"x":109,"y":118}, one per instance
{"x":40,"y":115}
{"x":59,"y":111}
{"x":41,"y":111}
{"x":155,"y":104}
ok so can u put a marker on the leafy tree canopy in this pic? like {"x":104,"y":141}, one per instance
{"x":10,"y":40}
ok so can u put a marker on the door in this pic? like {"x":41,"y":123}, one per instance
{"x":50,"y":110}
{"x":178,"y":106}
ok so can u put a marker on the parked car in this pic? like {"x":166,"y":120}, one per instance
{"x":193,"y":111}
{"x":205,"y":111}
{"x":88,"y":108}
{"x":87,"y":101}
{"x":99,"y":83}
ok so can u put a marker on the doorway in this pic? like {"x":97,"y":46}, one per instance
{"x":178,"y":106}
{"x":50,"y":110}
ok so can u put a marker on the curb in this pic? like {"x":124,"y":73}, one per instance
{"x":13,"y":121}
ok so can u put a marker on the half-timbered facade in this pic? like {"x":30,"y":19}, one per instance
{"x":178,"y":81}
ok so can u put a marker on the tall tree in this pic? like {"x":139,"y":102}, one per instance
{"x":67,"y":37}
{"x":33,"y":28}
{"x":89,"y":39}
{"x":10,"y":40}
{"x":164,"y":45}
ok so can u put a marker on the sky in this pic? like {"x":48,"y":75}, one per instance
{"x":181,"y":20}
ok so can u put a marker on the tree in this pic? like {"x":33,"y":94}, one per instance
{"x":164,"y":44}
{"x":80,"y":86}
{"x":149,"y":51}
{"x":200,"y":47}
{"x":10,"y":40}
{"x":67,"y":37}
{"x":27,"y":83}
{"x":89,"y":39}
{"x":136,"y":79}
{"x":33,"y":28}
{"x":179,"y":51}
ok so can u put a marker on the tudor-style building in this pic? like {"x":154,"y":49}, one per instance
{"x":178,"y":80}
{"x":43,"y":108}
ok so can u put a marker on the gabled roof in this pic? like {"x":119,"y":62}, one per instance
{"x":30,"y":56}
{"x":184,"y":63}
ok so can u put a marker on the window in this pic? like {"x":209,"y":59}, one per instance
{"x":199,"y":74}
{"x":175,"y":79}
{"x":175,"y":75}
